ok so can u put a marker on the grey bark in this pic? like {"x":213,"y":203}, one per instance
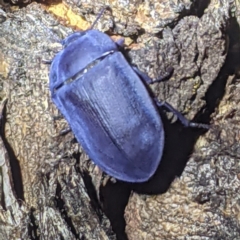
{"x":49,"y":187}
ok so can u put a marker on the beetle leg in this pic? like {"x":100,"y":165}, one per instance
{"x":165,"y":75}
{"x":142,"y":75}
{"x":57,"y":117}
{"x":45,"y":61}
{"x":100,"y":15}
{"x":148,"y":80}
{"x":182,"y":119}
{"x":65,"y":131}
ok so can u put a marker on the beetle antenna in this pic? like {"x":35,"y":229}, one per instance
{"x":99,"y":16}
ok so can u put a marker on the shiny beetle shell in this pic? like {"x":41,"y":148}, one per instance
{"x":107,"y":106}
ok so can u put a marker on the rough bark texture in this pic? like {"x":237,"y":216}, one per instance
{"x":47,"y":180}
{"x":49,"y":187}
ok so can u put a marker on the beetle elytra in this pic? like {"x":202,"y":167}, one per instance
{"x":109,"y":109}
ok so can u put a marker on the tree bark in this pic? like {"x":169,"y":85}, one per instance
{"x":49,"y":187}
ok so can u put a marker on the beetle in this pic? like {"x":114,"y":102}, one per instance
{"x":108,"y":107}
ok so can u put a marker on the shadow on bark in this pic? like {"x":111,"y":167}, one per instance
{"x":179,"y":143}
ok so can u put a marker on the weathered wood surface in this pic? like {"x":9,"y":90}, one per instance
{"x":51,"y":200}
{"x":49,"y":188}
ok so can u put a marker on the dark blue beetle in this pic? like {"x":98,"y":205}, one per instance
{"x":108,"y":106}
